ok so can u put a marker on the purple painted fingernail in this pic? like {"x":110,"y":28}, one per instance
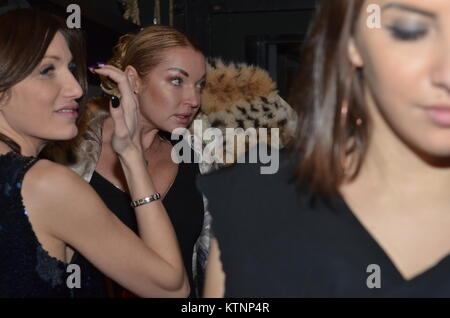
{"x":101,"y":64}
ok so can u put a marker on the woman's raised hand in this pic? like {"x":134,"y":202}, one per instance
{"x":126,"y":135}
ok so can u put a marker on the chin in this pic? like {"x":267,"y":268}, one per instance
{"x":67,"y":135}
{"x":440,"y":153}
{"x":436,"y":150}
{"x":171,"y":128}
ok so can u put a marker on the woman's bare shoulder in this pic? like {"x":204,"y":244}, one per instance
{"x":46,"y":178}
{"x":61,"y":199}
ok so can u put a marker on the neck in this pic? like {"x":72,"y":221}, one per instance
{"x":29,"y":146}
{"x":147,"y":136}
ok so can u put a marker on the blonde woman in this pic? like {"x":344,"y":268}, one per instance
{"x":166,"y":72}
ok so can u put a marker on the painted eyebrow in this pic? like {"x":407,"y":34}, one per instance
{"x":179,"y":70}
{"x":408,"y":8}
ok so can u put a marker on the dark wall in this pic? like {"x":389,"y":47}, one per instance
{"x":266,"y":33}
{"x":221,"y":26}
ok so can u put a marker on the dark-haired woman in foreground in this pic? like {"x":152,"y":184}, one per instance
{"x":45,"y":208}
{"x":362,"y":208}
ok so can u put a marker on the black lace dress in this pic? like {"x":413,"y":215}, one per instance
{"x":26,"y":269}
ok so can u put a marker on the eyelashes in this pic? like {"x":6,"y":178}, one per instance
{"x":201,"y":85}
{"x":178,"y":81}
{"x":404,"y":34}
{"x":48,"y":70}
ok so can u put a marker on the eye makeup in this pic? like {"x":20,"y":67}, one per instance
{"x":407,"y":33}
{"x":46,"y":70}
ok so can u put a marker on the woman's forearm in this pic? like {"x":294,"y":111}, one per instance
{"x":155,"y":227}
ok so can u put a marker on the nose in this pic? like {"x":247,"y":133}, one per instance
{"x":441,"y":75}
{"x":72,"y":88}
{"x":193,"y":97}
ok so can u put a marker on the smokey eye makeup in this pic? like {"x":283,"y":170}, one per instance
{"x":408,"y":31}
{"x":406,"y":23}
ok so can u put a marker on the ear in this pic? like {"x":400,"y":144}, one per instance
{"x":353,"y":54}
{"x":133,"y":78}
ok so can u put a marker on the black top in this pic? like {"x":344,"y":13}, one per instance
{"x":184,"y":205}
{"x":276,"y":240}
{"x":26,"y":269}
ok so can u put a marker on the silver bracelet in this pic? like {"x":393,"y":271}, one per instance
{"x":146,"y":200}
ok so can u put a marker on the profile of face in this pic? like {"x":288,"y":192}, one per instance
{"x":169,"y":95}
{"x":406,"y":67}
{"x":43,"y":106}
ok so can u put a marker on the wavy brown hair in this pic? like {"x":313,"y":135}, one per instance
{"x":25,"y":35}
{"x":327,"y":81}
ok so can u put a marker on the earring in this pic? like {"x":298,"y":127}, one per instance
{"x":344,"y":105}
{"x":344,"y":112}
{"x":344,"y":115}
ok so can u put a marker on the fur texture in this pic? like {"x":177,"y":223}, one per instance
{"x":244,"y":96}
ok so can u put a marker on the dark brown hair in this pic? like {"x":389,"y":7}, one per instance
{"x":327,"y":81}
{"x":24,"y":38}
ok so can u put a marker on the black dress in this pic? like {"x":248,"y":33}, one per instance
{"x":184,"y":205}
{"x":26,"y":268}
{"x":277,"y":240}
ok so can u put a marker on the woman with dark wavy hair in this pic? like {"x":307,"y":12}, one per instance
{"x":47,"y":211}
{"x":361,"y":208}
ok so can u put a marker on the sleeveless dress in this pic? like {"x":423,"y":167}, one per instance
{"x":184,"y":206}
{"x":26,"y":268}
{"x":180,"y":202}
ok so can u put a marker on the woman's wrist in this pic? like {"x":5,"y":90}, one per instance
{"x":135,"y":170}
{"x":133,"y":162}
{"x":131,"y":157}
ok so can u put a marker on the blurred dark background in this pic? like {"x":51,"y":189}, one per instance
{"x":267,"y":33}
